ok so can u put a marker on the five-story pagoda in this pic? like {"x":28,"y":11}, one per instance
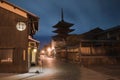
{"x":62,"y":29}
{"x":60,"y":39}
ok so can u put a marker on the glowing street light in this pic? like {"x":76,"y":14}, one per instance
{"x":35,"y":50}
{"x":42,"y":51}
{"x":49,"y":51}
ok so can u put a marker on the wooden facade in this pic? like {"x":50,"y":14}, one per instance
{"x":96,"y":46}
{"x":109,"y":34}
{"x":33,"y":49}
{"x":14,"y":43}
{"x":99,"y":52}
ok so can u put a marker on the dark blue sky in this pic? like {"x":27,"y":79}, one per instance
{"x":85,"y":14}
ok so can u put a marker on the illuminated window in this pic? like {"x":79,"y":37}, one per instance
{"x":32,"y":44}
{"x":6,"y":55}
{"x":24,"y":55}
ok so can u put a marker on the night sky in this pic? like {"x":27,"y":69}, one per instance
{"x":84,"y":14}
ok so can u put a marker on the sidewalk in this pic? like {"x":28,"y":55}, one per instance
{"x":15,"y":76}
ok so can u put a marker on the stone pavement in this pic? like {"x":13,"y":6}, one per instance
{"x":86,"y":74}
{"x":111,"y":70}
{"x":55,"y":70}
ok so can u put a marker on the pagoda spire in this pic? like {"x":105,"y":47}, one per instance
{"x":62,"y":15}
{"x":62,"y":28}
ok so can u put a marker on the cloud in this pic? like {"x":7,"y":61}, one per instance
{"x":85,"y":14}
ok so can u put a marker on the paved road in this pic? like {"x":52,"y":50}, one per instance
{"x":59,"y":70}
{"x":112,"y":70}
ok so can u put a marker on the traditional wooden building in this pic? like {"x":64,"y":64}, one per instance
{"x":109,"y":34}
{"x":16,"y":25}
{"x":33,"y":51}
{"x":99,"y":46}
{"x":90,"y":34}
{"x":96,"y":46}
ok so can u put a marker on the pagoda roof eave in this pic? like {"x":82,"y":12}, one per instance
{"x":63,"y":23}
{"x":61,"y":31}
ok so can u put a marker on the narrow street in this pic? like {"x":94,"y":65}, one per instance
{"x":59,"y":70}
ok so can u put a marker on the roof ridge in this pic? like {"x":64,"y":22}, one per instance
{"x":6,"y":1}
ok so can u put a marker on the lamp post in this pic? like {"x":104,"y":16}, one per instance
{"x":49,"y":51}
{"x":42,"y":51}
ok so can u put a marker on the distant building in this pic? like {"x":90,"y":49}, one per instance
{"x":100,"y":47}
{"x":109,"y":34}
{"x":90,"y":34}
{"x":96,"y":46}
{"x":18,"y":49}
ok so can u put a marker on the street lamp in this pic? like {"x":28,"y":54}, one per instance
{"x":42,"y":51}
{"x":49,"y":51}
{"x":35,"y":50}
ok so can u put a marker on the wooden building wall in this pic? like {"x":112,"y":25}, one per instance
{"x":100,"y":52}
{"x":17,"y":41}
{"x":95,"y":52}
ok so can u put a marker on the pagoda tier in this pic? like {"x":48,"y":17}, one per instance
{"x":59,"y":37}
{"x":63,"y":31}
{"x":62,"y":23}
{"x":63,"y":27}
